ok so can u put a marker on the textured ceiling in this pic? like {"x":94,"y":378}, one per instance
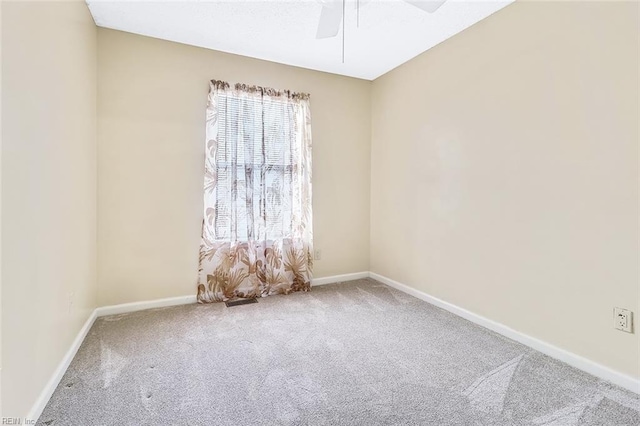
{"x":390,"y":32}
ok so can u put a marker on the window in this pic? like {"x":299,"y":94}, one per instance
{"x":257,"y":235}
{"x":257,"y":164}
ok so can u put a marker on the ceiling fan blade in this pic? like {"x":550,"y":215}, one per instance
{"x":330,"y":19}
{"x":428,"y":6}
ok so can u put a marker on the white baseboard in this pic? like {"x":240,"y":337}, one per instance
{"x":339,"y":278}
{"x":148,"y":304}
{"x":567,"y":357}
{"x":52,"y":384}
{"x":570,"y":358}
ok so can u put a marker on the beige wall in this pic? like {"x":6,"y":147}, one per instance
{"x":152,"y":97}
{"x":505,"y":173}
{"x":48,"y":190}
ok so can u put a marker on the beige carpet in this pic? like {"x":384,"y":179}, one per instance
{"x":356,"y":353}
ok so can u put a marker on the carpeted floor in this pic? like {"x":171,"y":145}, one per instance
{"x":356,"y":353}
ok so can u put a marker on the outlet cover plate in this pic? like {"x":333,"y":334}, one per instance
{"x":623,"y":320}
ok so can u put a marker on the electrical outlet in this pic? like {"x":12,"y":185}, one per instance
{"x":317,"y":254}
{"x":623,"y":320}
{"x":70,"y":301}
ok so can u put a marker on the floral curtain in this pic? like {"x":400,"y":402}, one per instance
{"x":257,"y":231}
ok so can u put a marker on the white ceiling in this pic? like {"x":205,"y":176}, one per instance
{"x":390,"y":32}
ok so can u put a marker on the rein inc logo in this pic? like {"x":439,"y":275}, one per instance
{"x":17,"y":421}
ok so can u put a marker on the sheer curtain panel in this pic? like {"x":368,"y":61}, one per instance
{"x":257,"y":235}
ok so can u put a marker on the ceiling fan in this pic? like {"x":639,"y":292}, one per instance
{"x":333,"y":11}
